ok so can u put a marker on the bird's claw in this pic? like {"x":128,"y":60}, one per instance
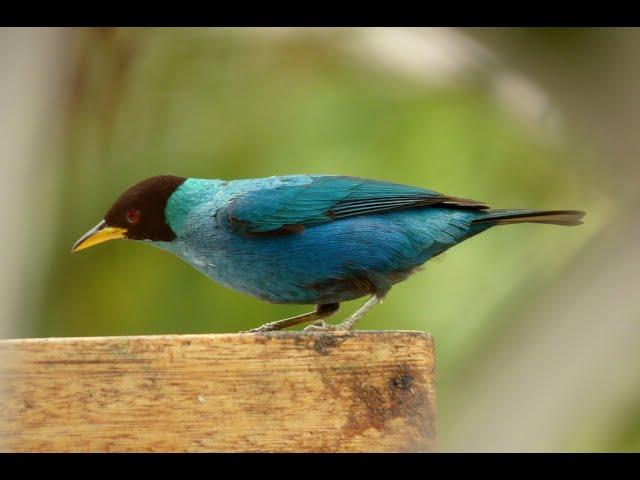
{"x":319,"y":326}
{"x":322,"y":326}
{"x":255,"y":330}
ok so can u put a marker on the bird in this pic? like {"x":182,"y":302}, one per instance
{"x":303,"y":239}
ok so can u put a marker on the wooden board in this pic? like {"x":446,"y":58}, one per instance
{"x":273,"y":392}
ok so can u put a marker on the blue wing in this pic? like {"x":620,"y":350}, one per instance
{"x":291,"y":206}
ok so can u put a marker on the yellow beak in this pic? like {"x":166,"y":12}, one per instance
{"x":98,"y":234}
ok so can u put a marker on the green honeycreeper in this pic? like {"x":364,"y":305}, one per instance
{"x":303,"y":239}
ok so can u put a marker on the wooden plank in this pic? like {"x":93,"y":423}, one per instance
{"x":276,"y":392}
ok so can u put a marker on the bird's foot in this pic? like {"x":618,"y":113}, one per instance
{"x":318,"y":326}
{"x":261,"y":328}
{"x":322,"y":326}
{"x":322,"y":311}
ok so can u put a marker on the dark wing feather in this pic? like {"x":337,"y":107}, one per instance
{"x":376,"y":205}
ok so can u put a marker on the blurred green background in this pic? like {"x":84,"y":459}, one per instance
{"x":445,"y":109}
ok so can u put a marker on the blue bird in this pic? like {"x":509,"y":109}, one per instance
{"x":303,"y":239}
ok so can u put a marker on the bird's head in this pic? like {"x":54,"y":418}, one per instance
{"x":139,"y":214}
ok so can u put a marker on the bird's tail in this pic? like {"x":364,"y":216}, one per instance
{"x":552,"y":217}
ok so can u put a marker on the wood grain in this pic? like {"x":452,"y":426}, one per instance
{"x":268,"y":392}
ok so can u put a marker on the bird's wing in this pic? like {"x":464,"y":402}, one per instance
{"x":290,"y":207}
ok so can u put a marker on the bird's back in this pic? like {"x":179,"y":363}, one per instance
{"x":323,"y":262}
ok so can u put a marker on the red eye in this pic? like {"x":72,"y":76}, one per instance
{"x":133,"y":216}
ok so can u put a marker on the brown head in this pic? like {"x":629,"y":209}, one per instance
{"x":139,"y":214}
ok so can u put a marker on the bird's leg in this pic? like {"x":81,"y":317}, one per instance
{"x":350,"y":321}
{"x":321,"y":311}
